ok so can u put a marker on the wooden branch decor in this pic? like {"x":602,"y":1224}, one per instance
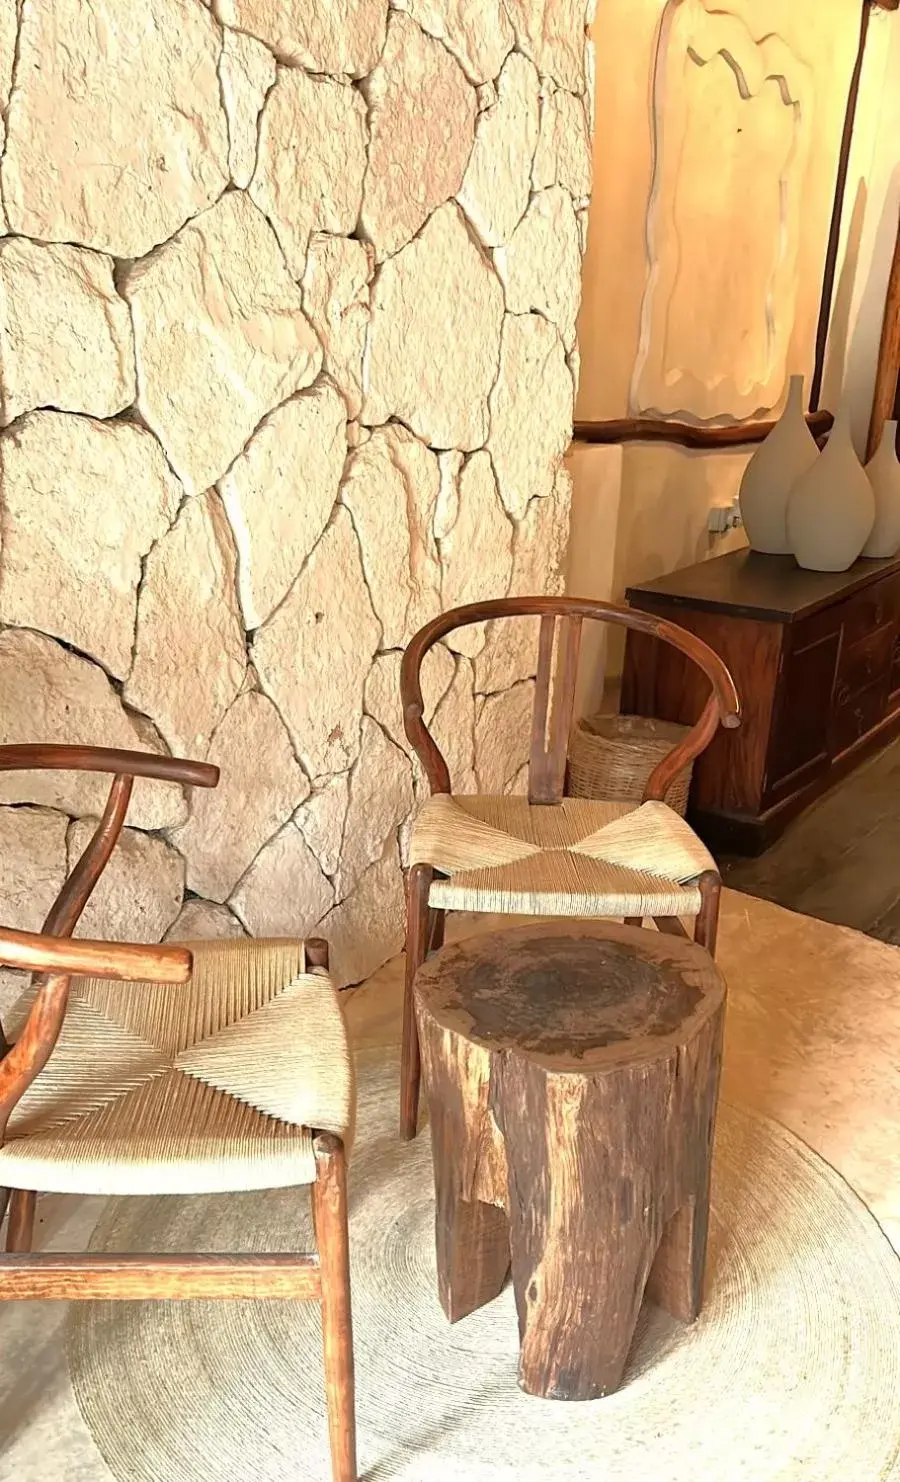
{"x":886,"y":400}
{"x":646,"y":429}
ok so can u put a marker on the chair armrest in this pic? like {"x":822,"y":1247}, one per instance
{"x":29,"y":758}
{"x":128,"y":962}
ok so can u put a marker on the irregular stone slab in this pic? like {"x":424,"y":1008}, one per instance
{"x":497,"y":183}
{"x":503,"y":738}
{"x":453,"y":729}
{"x":189,"y":656}
{"x":321,"y":821}
{"x":84,"y":502}
{"x":259,"y":788}
{"x":447,"y":511}
{"x":279,"y":493}
{"x":337,"y":36}
{"x":422,"y":124}
{"x":139,"y":894}
{"x":552,"y":34}
{"x":434,"y":337}
{"x":116,"y":133}
{"x":323,"y":124}
{"x":315,"y":652}
{"x":381,"y":797}
{"x":9,"y":25}
{"x":33,"y":850}
{"x":483,"y":527}
{"x":563,"y":155}
{"x":533,"y":372}
{"x":539,"y":553}
{"x":247,"y":70}
{"x":284,"y":893}
{"x":382,"y":697}
{"x":221,"y":337}
{"x":541,"y":264}
{"x":391,"y":490}
{"x":201,"y":921}
{"x":336,"y":298}
{"x":370,"y":925}
{"x":50,"y":693}
{"x":477,"y":32}
{"x":65,"y":335}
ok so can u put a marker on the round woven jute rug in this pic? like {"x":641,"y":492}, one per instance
{"x":792,"y":1371}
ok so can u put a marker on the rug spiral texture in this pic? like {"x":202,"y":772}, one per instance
{"x":790,"y":1373}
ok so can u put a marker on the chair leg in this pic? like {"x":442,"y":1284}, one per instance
{"x":417,"y":924}
{"x":20,"y":1230}
{"x":330,"y":1210}
{"x":706,"y":927}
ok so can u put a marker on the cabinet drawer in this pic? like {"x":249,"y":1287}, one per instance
{"x":869,"y":610}
{"x":858,"y":715}
{"x":862,"y":663}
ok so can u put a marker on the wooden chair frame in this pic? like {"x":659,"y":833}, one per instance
{"x":561,"y":620}
{"x":323,"y":1275}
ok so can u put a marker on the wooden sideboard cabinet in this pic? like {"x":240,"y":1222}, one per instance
{"x":816,"y":660}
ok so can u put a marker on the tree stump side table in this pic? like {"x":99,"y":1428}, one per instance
{"x":572,"y":1073}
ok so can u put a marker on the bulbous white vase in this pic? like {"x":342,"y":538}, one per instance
{"x":831,"y":509}
{"x":883,"y":472}
{"x":779,"y":461}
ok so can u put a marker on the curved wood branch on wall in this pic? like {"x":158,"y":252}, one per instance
{"x":646,"y":429}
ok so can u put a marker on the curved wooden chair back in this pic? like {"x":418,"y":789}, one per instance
{"x":50,"y":952}
{"x":559,"y":641}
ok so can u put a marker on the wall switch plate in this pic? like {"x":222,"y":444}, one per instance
{"x":724,"y":517}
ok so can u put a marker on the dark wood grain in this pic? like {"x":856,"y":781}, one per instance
{"x":747,"y":583}
{"x":146,"y":1278}
{"x":423,"y":743}
{"x":886,"y":397}
{"x":20,"y":1228}
{"x":601,"y":1191}
{"x":104,"y":759}
{"x":418,"y":884}
{"x":688,"y":434}
{"x":816,"y":679}
{"x":550,"y":727}
{"x":330,"y":1211}
{"x":127,"y":962}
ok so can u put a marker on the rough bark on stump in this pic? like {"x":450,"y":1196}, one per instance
{"x":572,"y":1072}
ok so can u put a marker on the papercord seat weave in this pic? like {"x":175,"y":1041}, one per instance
{"x":575,"y":858}
{"x":210,"y":1086}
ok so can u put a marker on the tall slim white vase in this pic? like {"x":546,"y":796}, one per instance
{"x":831,"y":509}
{"x":787,"y":452}
{"x":883,"y":472}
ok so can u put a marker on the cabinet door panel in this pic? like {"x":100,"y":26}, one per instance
{"x":799,"y":744}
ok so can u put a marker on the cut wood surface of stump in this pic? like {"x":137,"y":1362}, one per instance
{"x":572,"y":1073}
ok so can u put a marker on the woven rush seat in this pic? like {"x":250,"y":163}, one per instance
{"x":204,"y":1087}
{"x":578,"y":857}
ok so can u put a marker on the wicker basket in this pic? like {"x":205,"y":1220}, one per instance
{"x":612,"y":756}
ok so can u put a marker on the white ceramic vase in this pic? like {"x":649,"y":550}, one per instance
{"x":779,"y":461}
{"x":883,"y":472}
{"x":831,"y":509}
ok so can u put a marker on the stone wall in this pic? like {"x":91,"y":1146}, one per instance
{"x":287,"y":323}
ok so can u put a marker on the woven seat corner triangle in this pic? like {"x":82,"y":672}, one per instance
{"x":210,"y":1086}
{"x":288,"y":1057}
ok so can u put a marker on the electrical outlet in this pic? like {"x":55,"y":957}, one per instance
{"x":724,"y":517}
